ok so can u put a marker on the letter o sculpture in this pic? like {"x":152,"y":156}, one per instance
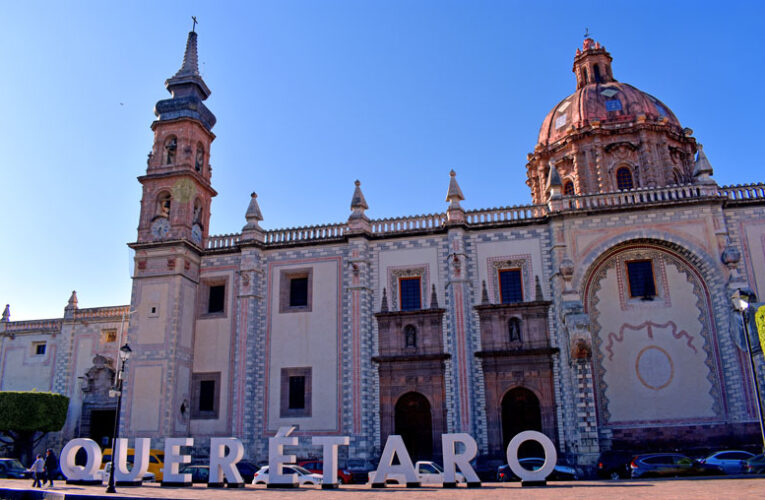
{"x":532,"y":476}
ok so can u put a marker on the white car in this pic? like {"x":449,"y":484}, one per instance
{"x":148,"y":477}
{"x":304,"y":476}
{"x":427,"y":473}
{"x":730,"y":461}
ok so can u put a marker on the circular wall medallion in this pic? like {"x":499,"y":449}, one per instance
{"x":654,"y":367}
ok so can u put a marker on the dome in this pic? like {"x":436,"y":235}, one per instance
{"x":608,"y":103}
{"x":600,"y":99}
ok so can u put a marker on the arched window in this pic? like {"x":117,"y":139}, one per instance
{"x":568,"y":188}
{"x":171,"y":146}
{"x":163,"y":204}
{"x":584,"y":72}
{"x":197,"y":211}
{"x":596,"y":70}
{"x":410,"y":336}
{"x":624,"y":179}
{"x":199,"y":159}
{"x":514,"y":329}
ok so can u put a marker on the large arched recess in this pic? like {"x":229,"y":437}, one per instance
{"x":656,"y":362}
{"x":414,"y":423}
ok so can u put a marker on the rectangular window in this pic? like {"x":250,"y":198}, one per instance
{"x":299,"y":291}
{"x":640,"y":274}
{"x":217,"y":299}
{"x":295,"y":290}
{"x":38,"y":348}
{"x":297,"y":393}
{"x":109,"y":335}
{"x":410,"y":293}
{"x":295,"y":400}
{"x":510,"y":286}
{"x":206,"y":395}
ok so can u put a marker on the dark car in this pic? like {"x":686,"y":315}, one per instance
{"x":359,"y":469}
{"x":562,"y":471}
{"x":669,"y":465}
{"x":199,"y":473}
{"x":317,"y":466}
{"x":247,"y":470}
{"x":11,"y":468}
{"x":486,"y":467}
{"x":614,"y":464}
{"x":755,"y":465}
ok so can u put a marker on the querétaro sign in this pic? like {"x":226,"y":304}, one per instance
{"x":226,"y":452}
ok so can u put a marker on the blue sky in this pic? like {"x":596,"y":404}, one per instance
{"x":311,"y":95}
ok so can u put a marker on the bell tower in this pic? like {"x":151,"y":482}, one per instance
{"x":176,"y":188}
{"x":172,"y":229}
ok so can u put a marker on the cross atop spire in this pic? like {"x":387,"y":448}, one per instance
{"x":193,"y":26}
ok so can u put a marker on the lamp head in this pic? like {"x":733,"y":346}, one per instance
{"x":741,"y":299}
{"x":125,"y":352}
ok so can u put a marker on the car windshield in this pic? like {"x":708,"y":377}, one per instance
{"x":300,"y":470}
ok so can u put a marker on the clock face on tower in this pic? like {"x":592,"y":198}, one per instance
{"x":160,"y":228}
{"x":196,"y":234}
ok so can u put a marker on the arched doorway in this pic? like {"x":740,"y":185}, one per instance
{"x":520,"y":412}
{"x":413,"y":422}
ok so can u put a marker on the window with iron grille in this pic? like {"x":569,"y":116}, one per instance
{"x":410,"y":294}
{"x":624,"y":179}
{"x":640,"y":275}
{"x":510,"y":286}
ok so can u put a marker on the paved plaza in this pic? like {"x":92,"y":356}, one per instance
{"x":697,"y":489}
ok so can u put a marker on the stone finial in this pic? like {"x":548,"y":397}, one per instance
{"x":6,"y":314}
{"x":71,"y":305}
{"x":384,"y":303}
{"x":703,"y":171}
{"x":554,"y":183}
{"x":433,"y":298}
{"x":454,"y":194}
{"x":252,"y":230}
{"x":358,"y":203}
{"x":484,"y":293}
{"x":358,"y":222}
{"x":455,"y":213}
{"x":538,"y":289}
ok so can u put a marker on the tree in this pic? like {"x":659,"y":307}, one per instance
{"x":27,"y":416}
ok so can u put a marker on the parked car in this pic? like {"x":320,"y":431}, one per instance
{"x":103,"y":474}
{"x":317,"y":466}
{"x":755,"y":465}
{"x":614,"y":464}
{"x":731,"y":461}
{"x":562,"y":471}
{"x":304,"y":475}
{"x":247,"y":470}
{"x":486,"y":467}
{"x":11,"y":468}
{"x":156,"y":460}
{"x":199,"y":473}
{"x":670,"y":465}
{"x":359,"y":469}
{"x":427,"y":473}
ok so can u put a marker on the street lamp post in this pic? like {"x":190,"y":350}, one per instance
{"x":741,"y":299}
{"x":125,"y":352}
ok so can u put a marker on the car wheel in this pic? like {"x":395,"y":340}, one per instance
{"x":340,"y":480}
{"x":615,"y":475}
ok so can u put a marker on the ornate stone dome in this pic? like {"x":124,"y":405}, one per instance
{"x":608,"y":136}
{"x":607,"y":103}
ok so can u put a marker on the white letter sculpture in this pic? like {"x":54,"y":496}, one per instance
{"x":330,"y":444}
{"x":224,"y":466}
{"x":77,"y":474}
{"x":277,"y":459}
{"x":173,"y":458}
{"x":122,"y":475}
{"x":452,"y":459}
{"x":405,"y":470}
{"x":528,"y":477}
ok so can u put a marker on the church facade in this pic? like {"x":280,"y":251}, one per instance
{"x":599,"y":315}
